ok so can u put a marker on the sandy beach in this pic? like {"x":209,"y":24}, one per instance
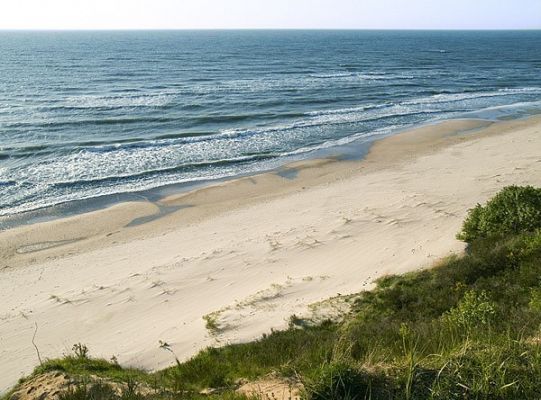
{"x":247,"y":254}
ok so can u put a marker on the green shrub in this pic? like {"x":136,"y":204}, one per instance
{"x":475,"y":310}
{"x":515,"y":209}
{"x":337,"y":382}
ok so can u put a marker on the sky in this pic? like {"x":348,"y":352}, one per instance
{"x":265,"y":14}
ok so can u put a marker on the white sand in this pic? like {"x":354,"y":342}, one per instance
{"x":252,"y":251}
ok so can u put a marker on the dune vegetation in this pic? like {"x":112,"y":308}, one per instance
{"x":469,"y":328}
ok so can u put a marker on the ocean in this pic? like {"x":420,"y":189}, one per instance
{"x":85,"y":115}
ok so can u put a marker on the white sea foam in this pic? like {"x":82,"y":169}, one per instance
{"x":333,"y":75}
{"x":120,"y":100}
{"x":310,"y":81}
{"x":452,"y":97}
{"x":348,"y":109}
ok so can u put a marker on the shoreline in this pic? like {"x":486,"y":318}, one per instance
{"x":354,"y":151}
{"x":134,"y":209}
{"x":251,"y":251}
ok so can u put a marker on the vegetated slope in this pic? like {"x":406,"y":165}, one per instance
{"x":467,"y":328}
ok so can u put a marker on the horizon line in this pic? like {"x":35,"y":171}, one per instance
{"x":260,"y":29}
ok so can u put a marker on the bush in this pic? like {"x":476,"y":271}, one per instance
{"x":474,"y":311}
{"x":514,"y":210}
{"x":337,"y":382}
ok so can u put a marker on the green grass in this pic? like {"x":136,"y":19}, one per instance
{"x":286,"y":352}
{"x":468,"y":328}
{"x":78,"y":366}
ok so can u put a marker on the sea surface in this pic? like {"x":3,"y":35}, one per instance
{"x":89,"y":114}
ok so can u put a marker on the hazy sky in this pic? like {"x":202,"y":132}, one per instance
{"x":189,"y":14}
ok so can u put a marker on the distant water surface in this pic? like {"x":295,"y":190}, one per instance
{"x":88,"y":114}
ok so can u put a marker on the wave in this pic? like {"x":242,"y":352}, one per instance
{"x":121,"y":120}
{"x":332,"y":75}
{"x":120,"y":101}
{"x":362,"y":76}
{"x":385,"y":77}
{"x":292,"y":82}
{"x":349,"y":109}
{"x":453,"y":97}
{"x":149,"y":120}
{"x":39,"y":200}
{"x":158,"y":171}
{"x":328,"y":144}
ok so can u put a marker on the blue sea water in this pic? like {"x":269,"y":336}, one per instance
{"x":88,"y":114}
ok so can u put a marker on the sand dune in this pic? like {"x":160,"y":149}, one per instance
{"x":249,"y":253}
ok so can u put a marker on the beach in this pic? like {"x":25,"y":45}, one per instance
{"x":231,"y":261}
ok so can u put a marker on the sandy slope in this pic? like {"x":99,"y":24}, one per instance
{"x":250,"y":252}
